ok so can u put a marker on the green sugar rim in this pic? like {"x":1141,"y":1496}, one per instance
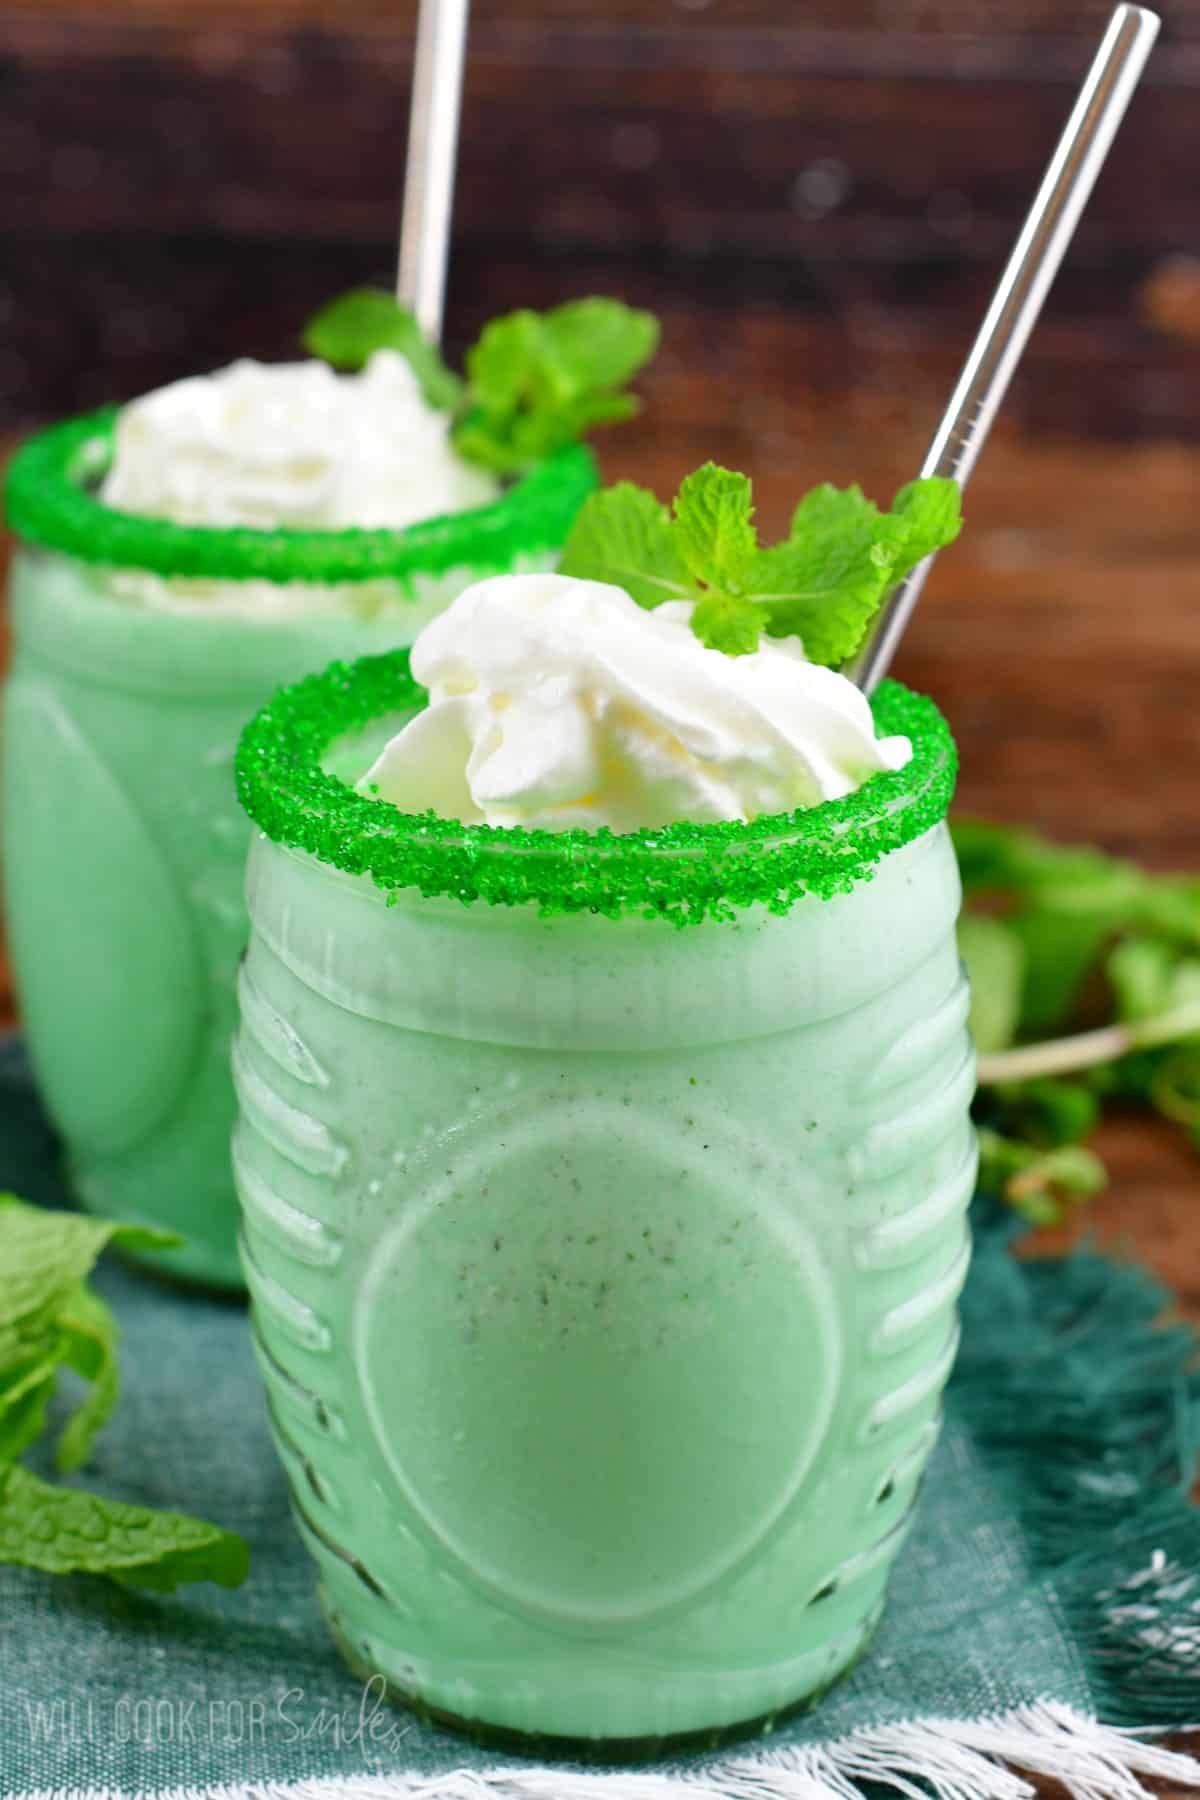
{"x":683,"y":872}
{"x":47,"y":502}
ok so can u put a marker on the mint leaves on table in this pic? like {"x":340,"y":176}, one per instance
{"x":535,"y":382}
{"x":1085,"y":975}
{"x":50,"y":1320}
{"x":823,"y":583}
{"x":62,"y":1531}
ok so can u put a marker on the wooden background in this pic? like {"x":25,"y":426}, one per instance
{"x":817,"y":200}
{"x":816,"y":197}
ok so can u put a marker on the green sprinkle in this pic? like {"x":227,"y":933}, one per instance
{"x":683,"y":872}
{"x":49,"y":501}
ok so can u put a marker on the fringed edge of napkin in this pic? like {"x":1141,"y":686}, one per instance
{"x":950,"y":1759}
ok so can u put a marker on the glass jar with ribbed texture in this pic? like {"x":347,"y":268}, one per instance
{"x":604,"y":1217}
{"x":141,"y":647}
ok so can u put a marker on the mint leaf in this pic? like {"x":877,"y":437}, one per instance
{"x":714,"y":527}
{"x":823,"y":584}
{"x":1009,"y":858}
{"x":846,"y":515}
{"x":512,"y":362}
{"x":1046,"y":1111}
{"x":537,"y":381}
{"x":1149,"y":977}
{"x":931,"y":508}
{"x":63,"y":1532}
{"x":623,"y":535}
{"x":823,"y":600}
{"x":995,"y":963}
{"x":1141,"y":974}
{"x":44,"y":1255}
{"x":1042,"y":1185}
{"x":89,"y":1346}
{"x":1068,"y":905}
{"x":50,"y":1320}
{"x":351,"y":328}
{"x":25,"y":1393}
{"x":602,"y":342}
{"x":509,"y":445}
{"x":826,"y":583}
{"x":716,"y":540}
{"x":1175,"y":1086}
{"x":730,"y":624}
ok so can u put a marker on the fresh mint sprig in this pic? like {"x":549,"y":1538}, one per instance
{"x":535,"y":382}
{"x":823,"y":583}
{"x":1085,"y":978}
{"x":51,"y":1320}
{"x":538,"y":381}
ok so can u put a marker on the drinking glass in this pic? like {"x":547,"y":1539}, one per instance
{"x":604,"y":1217}
{"x":141,"y":647}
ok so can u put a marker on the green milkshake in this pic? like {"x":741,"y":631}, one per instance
{"x":176,"y":562}
{"x":603,"y":1189}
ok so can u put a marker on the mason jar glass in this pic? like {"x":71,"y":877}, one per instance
{"x":140,"y":648}
{"x":604,"y":1217}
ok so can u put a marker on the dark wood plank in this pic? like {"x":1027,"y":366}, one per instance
{"x":930,"y":22}
{"x":754,"y":357}
{"x":747,"y":140}
{"x":824,"y":203}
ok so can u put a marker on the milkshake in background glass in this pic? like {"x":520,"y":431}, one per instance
{"x":176,"y":562}
{"x":604,"y":1189}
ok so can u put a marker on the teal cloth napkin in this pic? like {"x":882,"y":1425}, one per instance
{"x":1049,"y":1592}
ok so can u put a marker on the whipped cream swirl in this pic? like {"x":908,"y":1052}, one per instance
{"x":291,"y":444}
{"x":555,"y":702}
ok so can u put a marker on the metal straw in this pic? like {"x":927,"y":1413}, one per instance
{"x":432,"y":154}
{"x":1039,"y":250}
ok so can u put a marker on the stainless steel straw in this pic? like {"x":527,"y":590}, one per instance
{"x":432,"y":154}
{"x":1010,"y":318}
